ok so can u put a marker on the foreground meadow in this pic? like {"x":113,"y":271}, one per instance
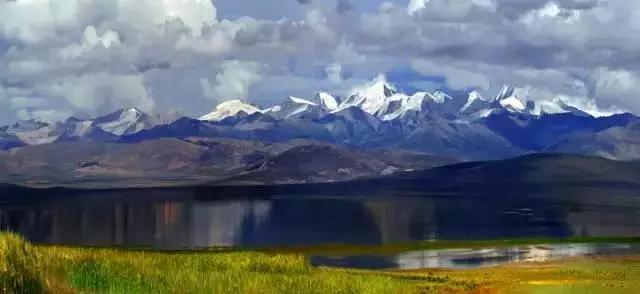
{"x":36,"y":269}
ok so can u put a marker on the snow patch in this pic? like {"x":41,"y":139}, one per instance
{"x":228,"y":109}
{"x":512,"y":103}
{"x":370,"y":97}
{"x":301,"y":101}
{"x":129,"y":122}
{"x":389,"y":171}
{"x":473,"y":97}
{"x":327,"y":101}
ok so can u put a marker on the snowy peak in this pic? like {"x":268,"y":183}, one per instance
{"x":557,"y":106}
{"x":327,"y":101}
{"x":473,"y":96}
{"x":393,"y":107}
{"x":476,"y":104}
{"x":123,"y":122}
{"x":379,"y":88}
{"x":228,"y":109}
{"x":513,"y":104}
{"x":300,"y":101}
{"x":505,"y":92}
{"x":295,"y":107}
{"x":34,"y":132}
{"x":371,"y":97}
{"x":440,"y":97}
{"x":508,"y":100}
{"x":131,"y":114}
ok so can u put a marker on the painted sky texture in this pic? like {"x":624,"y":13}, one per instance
{"x":85,"y":58}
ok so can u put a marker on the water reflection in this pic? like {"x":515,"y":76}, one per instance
{"x":472,"y":258}
{"x":195,"y":218}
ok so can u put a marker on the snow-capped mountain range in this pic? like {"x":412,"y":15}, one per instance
{"x":376,"y":115}
{"x":109,"y":127}
{"x":383,"y":101}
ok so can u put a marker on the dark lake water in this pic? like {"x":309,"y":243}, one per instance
{"x":168,"y":219}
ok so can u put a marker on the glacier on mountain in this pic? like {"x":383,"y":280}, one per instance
{"x":228,"y":109}
{"x":377,"y":115}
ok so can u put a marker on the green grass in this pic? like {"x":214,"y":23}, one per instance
{"x":51,"y":269}
{"x":19,"y":266}
{"x":35,"y":269}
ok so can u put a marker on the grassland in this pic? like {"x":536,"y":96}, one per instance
{"x":25,"y":268}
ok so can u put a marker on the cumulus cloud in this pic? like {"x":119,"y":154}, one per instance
{"x":334,"y":73}
{"x":110,"y":91}
{"x":416,"y":6}
{"x":90,"y":57}
{"x":234,"y":80}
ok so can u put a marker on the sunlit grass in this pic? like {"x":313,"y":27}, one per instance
{"x":19,"y":266}
{"x":35,"y":269}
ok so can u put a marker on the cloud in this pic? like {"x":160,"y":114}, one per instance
{"x":456,"y":78}
{"x":619,"y":86}
{"x":85,"y":92}
{"x":92,"y":57}
{"x":34,"y":21}
{"x":3,"y":95}
{"x":334,"y":73}
{"x":344,"y":6}
{"x":24,"y":102}
{"x":49,"y":116}
{"x":416,"y":6}
{"x":233,"y":82}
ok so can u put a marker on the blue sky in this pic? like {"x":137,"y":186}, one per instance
{"x":85,"y":58}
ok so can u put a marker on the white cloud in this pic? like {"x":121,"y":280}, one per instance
{"x":42,"y":115}
{"x":92,"y":92}
{"x":37,"y":20}
{"x":90,"y":40}
{"x":233,"y":81}
{"x":194,"y":13}
{"x":334,"y":73}
{"x":416,"y":5}
{"x":319,"y":24}
{"x":345,"y":54}
{"x":90,"y":57}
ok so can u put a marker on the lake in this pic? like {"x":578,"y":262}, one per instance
{"x":193,"y":218}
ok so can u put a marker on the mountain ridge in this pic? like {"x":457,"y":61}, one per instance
{"x":376,"y":115}
{"x":199,"y":161}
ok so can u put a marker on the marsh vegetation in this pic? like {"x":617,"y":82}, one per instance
{"x":27,"y":268}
